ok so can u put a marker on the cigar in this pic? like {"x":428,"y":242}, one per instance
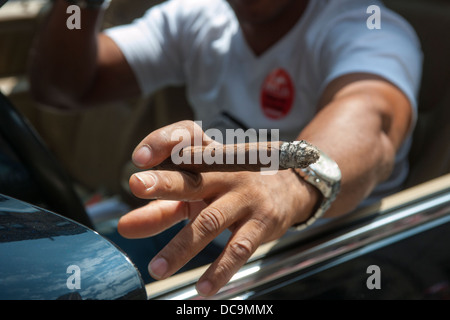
{"x":242,"y":157}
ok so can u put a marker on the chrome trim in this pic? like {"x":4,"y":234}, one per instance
{"x":363,"y":235}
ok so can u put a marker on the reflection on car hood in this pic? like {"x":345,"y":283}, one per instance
{"x":46,"y":256}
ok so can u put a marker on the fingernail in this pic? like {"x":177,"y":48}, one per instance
{"x":147,"y":179}
{"x":158,"y":268}
{"x":142,"y":156}
{"x":204,"y":287}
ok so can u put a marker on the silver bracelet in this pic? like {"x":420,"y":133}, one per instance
{"x":324,"y":175}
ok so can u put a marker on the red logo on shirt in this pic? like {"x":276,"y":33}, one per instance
{"x":277,"y":94}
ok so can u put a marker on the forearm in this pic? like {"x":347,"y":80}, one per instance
{"x":361,"y":132}
{"x":63,"y":62}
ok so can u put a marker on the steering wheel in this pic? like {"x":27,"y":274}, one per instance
{"x":53,"y":181}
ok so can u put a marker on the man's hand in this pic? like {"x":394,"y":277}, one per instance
{"x":256,"y":208}
{"x":363,"y":122}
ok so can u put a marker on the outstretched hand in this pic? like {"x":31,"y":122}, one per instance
{"x":256,"y":208}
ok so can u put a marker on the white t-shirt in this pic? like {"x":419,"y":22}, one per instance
{"x":198,"y":43}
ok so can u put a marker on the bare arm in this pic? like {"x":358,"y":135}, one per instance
{"x":77,"y":68}
{"x":361,"y":125}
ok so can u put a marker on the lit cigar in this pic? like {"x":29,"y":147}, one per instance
{"x":277,"y":155}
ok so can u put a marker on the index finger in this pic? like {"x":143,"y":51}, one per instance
{"x":162,"y":143}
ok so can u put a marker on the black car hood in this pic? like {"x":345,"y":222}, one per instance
{"x":46,"y":256}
